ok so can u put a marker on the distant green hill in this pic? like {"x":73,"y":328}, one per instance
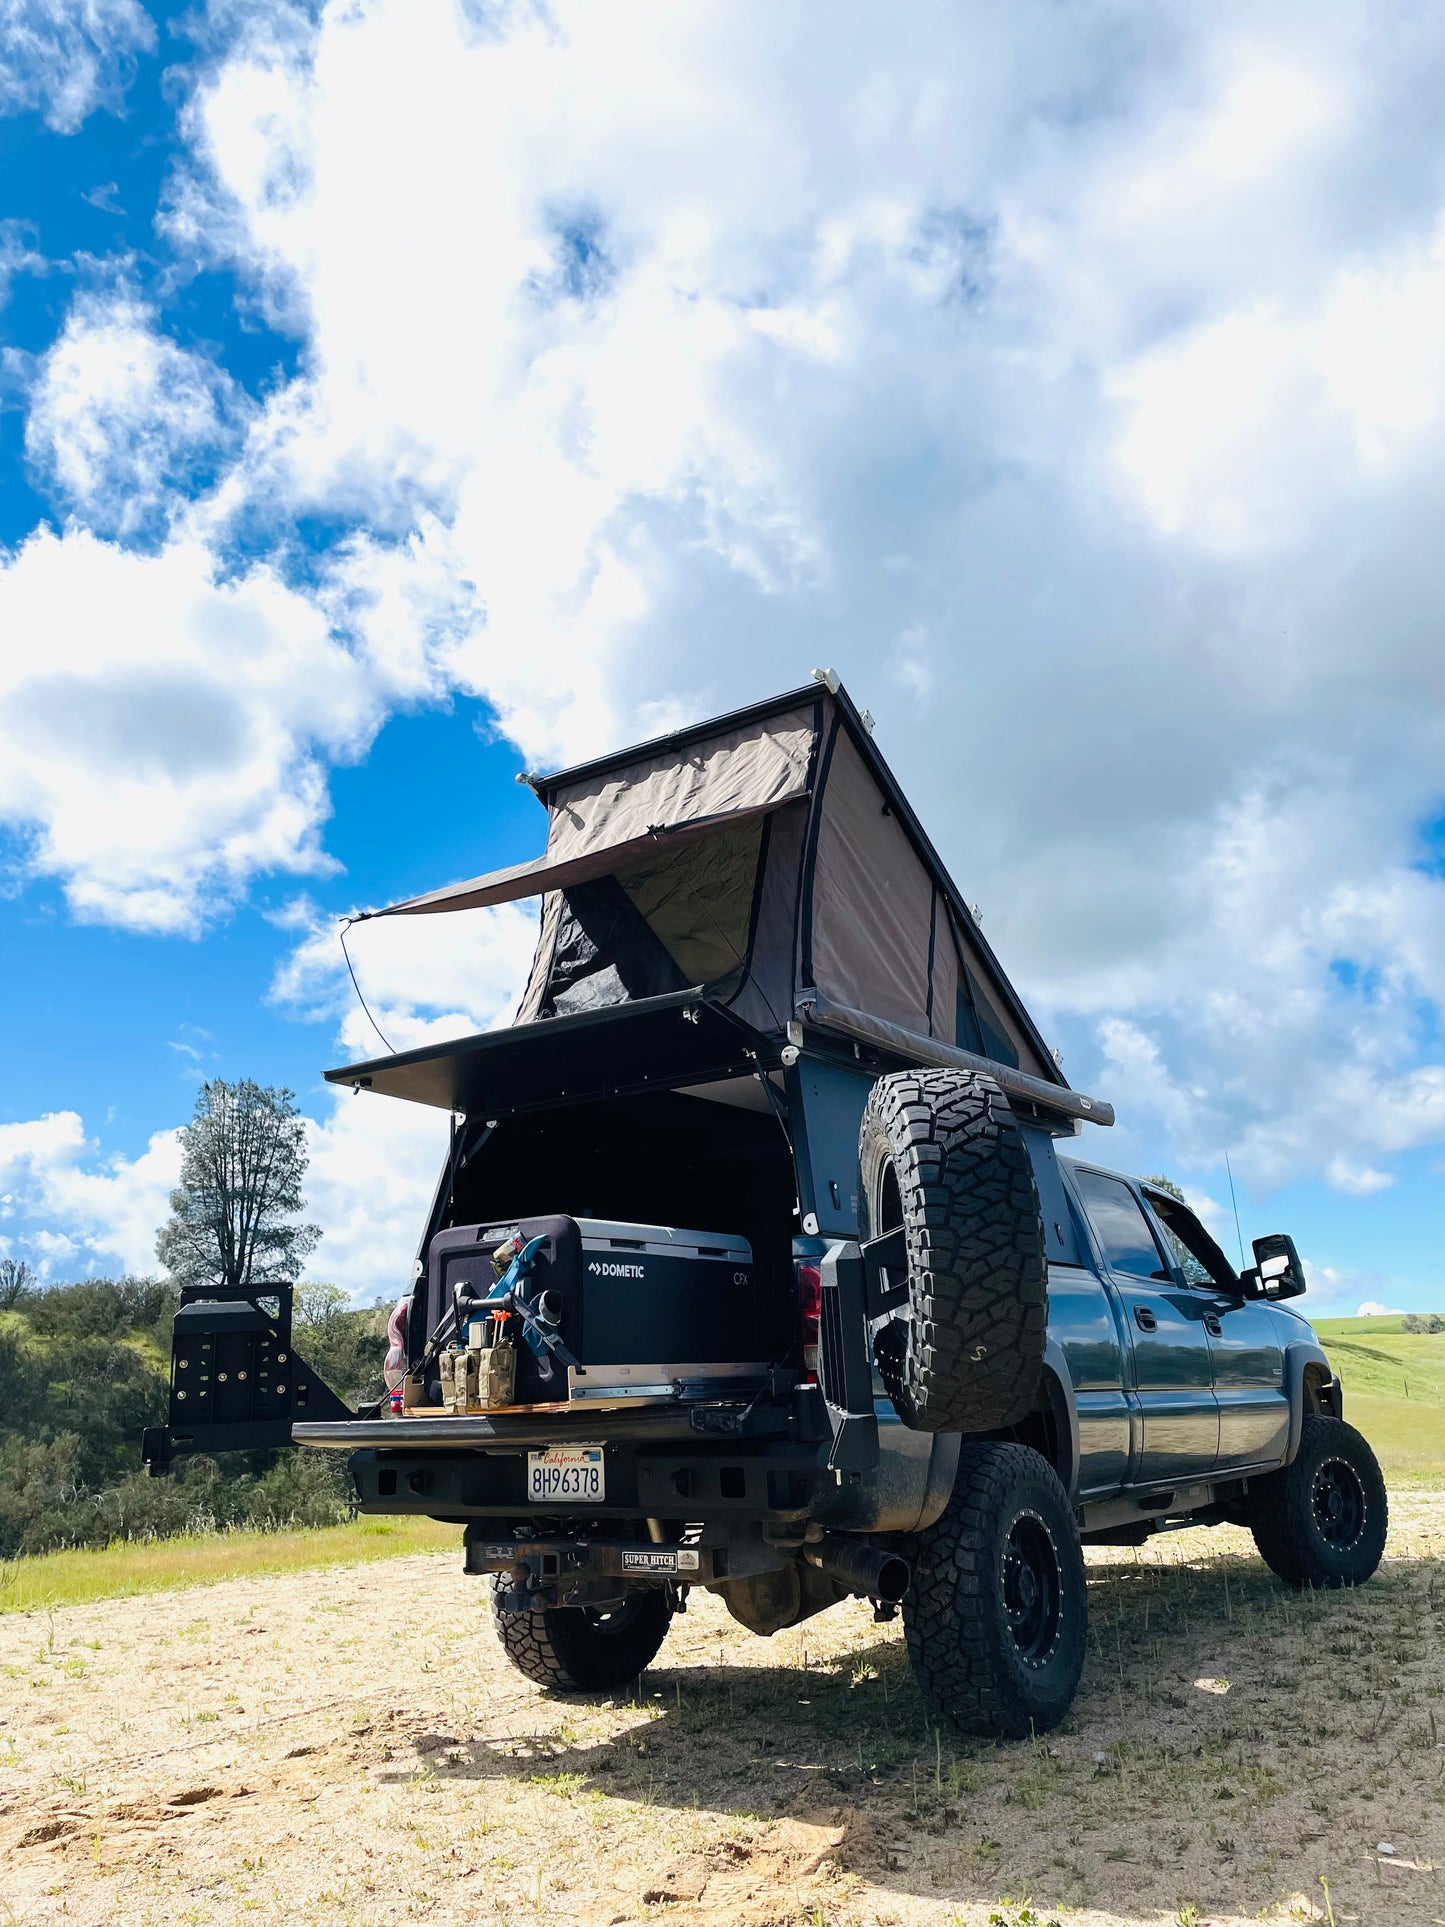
{"x":1394,"y":1385}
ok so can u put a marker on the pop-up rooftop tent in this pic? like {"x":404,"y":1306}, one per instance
{"x":765,"y":867}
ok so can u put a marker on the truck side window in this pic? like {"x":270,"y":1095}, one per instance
{"x":1120,"y":1226}
{"x":1199,"y":1257}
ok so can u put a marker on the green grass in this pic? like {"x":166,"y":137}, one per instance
{"x":1394,"y":1384}
{"x":161,"y":1565}
{"x":1408,"y":1437}
{"x":1378,"y":1355}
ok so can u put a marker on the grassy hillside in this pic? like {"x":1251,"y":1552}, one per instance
{"x":1394,"y":1384}
{"x":85,"y":1368}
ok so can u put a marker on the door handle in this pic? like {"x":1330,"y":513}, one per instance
{"x":1212,"y":1325}
{"x":1145,"y":1319}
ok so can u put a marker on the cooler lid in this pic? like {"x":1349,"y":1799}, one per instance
{"x":616,"y":1235}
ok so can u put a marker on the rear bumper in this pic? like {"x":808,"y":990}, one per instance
{"x":758,"y":1480}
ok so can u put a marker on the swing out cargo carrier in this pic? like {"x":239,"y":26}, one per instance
{"x":752,"y":1265}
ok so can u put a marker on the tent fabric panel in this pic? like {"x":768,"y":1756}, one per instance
{"x":754,"y":768}
{"x":530,"y":1008}
{"x":944,"y":1012}
{"x":765,"y":997}
{"x":871,"y":897}
{"x":698,"y":900}
{"x":984,"y":1022}
{"x":679,"y":921}
{"x":605,"y":953}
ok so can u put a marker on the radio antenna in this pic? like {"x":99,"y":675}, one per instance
{"x":1235,"y":1202}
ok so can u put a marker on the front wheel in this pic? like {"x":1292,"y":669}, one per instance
{"x":1322,"y":1519}
{"x":582,"y":1649}
{"x":996,"y":1618}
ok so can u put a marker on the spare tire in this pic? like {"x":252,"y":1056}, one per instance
{"x":941,"y":1153}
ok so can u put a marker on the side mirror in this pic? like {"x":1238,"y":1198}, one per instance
{"x":1277,"y":1271}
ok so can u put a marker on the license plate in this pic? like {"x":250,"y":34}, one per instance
{"x":573,"y":1472}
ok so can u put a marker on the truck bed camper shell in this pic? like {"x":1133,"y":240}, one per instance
{"x":760,"y":877}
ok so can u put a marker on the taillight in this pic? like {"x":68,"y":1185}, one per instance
{"x":810,"y":1310}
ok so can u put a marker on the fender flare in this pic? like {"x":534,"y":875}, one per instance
{"x":1297,"y":1359}
{"x":1060,"y":1388}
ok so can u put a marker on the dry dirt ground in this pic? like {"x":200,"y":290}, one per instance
{"x":348,"y":1748}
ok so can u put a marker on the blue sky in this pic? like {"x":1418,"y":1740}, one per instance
{"x":394,"y":396}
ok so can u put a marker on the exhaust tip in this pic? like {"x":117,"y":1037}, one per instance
{"x":893,"y":1580}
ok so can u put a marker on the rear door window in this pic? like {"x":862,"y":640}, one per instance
{"x":1120,"y":1226}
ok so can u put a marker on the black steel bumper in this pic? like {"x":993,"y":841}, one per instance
{"x":754,"y":1479}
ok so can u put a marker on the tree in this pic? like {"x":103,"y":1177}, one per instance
{"x":1161,"y":1183}
{"x":233,"y":1214}
{"x":16,"y":1282}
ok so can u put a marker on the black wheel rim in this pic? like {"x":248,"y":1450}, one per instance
{"x":1032,"y":1589}
{"x":890,"y":1201}
{"x":614,"y":1620}
{"x":1337,"y":1500}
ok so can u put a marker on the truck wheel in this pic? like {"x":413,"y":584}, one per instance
{"x":997,"y":1616}
{"x":940,"y":1153}
{"x":1321,"y":1520}
{"x":580,"y":1649}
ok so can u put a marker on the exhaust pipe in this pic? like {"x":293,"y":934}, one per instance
{"x":860,"y":1567}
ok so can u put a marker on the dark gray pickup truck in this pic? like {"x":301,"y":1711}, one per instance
{"x":753,"y":1265}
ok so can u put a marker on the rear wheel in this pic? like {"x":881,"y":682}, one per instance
{"x":580,"y":1648}
{"x":940,"y":1154}
{"x":996,"y":1618}
{"x":1322,"y":1520}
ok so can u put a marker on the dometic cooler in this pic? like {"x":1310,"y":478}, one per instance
{"x":648,"y":1311}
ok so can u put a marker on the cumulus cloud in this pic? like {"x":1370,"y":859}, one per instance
{"x":374,"y":1167}
{"x":164,"y":734}
{"x":65,"y":58}
{"x":123,"y":424}
{"x":424,"y":978}
{"x":1371,"y":1309}
{"x":77,"y":1211}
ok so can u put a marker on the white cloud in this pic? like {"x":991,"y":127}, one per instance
{"x":82,"y":1213}
{"x":423,"y":978}
{"x":374,"y":1167}
{"x":1371,"y":1309}
{"x":121,"y":418}
{"x":164,"y":733}
{"x":1356,"y":1180}
{"x":68,"y":57}
{"x":17,"y":255}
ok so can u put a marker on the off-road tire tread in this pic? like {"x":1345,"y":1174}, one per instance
{"x":973,"y":1228}
{"x":558,"y":1648}
{"x":1279,"y":1508}
{"x":949,"y":1616}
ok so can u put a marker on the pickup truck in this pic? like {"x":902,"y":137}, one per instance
{"x":754,"y":1265}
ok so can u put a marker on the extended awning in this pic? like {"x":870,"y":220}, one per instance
{"x":565,"y":871}
{"x":607,"y":821}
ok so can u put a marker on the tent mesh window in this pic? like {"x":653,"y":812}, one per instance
{"x":680,"y":920}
